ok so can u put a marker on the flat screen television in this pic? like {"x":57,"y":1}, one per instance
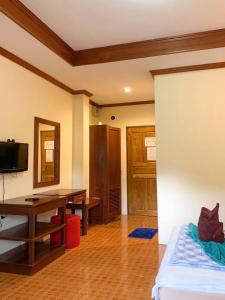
{"x":13,"y":157}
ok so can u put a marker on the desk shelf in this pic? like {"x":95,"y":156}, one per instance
{"x":20,"y":232}
{"x":17,"y":258}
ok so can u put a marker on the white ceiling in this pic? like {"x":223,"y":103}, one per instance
{"x":94,"y":23}
{"x":88,"y":24}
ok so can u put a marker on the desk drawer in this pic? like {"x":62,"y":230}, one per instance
{"x":79,"y":198}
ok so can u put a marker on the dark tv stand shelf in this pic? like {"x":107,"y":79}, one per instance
{"x":34,"y":253}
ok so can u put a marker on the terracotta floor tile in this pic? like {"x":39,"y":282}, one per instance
{"x":107,"y":266}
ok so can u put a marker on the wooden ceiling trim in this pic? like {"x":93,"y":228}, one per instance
{"x":94,"y":103}
{"x":126,"y":103}
{"x":188,"y":68}
{"x":163,"y":46}
{"x":82,"y":92}
{"x":21,"y":15}
{"x":28,"y":66}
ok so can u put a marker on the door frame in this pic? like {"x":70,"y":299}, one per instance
{"x":127,"y":127}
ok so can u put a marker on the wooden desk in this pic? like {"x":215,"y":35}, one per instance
{"x":76,"y":199}
{"x":34,"y":253}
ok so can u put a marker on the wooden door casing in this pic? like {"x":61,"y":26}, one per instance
{"x":141,"y":173}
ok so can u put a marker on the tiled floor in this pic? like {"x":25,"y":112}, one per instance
{"x":106,"y":266}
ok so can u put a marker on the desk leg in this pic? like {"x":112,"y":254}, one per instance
{"x":62,"y":214}
{"x":70,"y":199}
{"x":31,"y":253}
{"x":84,"y":218}
{"x":31,"y":233}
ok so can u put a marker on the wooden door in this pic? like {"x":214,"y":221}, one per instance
{"x":141,"y":170}
{"x":47,"y":156}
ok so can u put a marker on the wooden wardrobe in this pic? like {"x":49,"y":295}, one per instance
{"x":105,"y":169}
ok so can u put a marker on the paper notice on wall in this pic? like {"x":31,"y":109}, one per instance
{"x":49,"y":156}
{"x":150,"y":141}
{"x":151,"y":153}
{"x":49,"y":145}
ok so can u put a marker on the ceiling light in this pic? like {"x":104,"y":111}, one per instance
{"x":127,"y":89}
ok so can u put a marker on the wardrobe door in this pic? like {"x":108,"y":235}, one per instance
{"x":114,"y":172}
{"x":98,"y":162}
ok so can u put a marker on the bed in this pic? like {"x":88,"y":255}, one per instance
{"x":187,"y":273}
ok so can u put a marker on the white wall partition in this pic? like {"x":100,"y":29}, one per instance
{"x":190,"y":128}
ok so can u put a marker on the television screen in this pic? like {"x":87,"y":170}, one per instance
{"x":13,"y":157}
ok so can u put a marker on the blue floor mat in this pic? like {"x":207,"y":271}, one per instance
{"x":143,"y":233}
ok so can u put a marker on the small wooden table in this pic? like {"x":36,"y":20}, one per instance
{"x":76,"y":198}
{"x":34,"y":253}
{"x":94,"y":208}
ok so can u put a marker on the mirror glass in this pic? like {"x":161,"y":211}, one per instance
{"x":46,"y":156}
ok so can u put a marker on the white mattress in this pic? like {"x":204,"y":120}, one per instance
{"x":173,"y":294}
{"x":175,"y":282}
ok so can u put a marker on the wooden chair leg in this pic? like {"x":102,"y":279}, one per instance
{"x":84,"y":218}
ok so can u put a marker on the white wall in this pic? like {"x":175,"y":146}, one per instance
{"x":93,"y":115}
{"x":190,"y":126}
{"x":135,"y":115}
{"x":24,"y":95}
{"x":81,"y":115}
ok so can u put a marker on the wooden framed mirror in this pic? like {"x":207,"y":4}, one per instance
{"x":46,"y":153}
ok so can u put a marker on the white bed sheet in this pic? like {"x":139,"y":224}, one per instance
{"x":173,"y":294}
{"x":179,"y":279}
